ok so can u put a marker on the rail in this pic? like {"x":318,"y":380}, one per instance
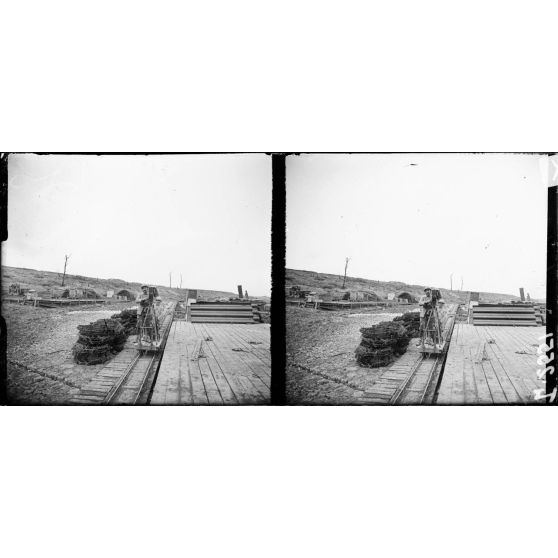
{"x":131,"y":385}
{"x":426,"y":373}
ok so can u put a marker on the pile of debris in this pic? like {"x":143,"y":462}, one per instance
{"x":128,"y":319}
{"x":411,"y":321}
{"x":180,"y":311}
{"x":382,"y":343}
{"x":99,"y":341}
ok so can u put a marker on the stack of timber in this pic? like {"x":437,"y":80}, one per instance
{"x":540,"y":314}
{"x":57,"y":302}
{"x":180,"y":311}
{"x":346,"y":304}
{"x":504,"y":314}
{"x":235,"y":312}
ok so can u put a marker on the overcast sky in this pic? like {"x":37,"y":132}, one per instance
{"x":480,"y":217}
{"x":138,"y":218}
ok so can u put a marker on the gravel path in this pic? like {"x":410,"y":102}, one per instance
{"x":41,"y":370}
{"x":321,"y":366}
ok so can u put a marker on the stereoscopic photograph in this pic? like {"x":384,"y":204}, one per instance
{"x":415,"y":279}
{"x":138,"y":280}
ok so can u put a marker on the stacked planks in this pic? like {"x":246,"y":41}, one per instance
{"x":540,"y":314}
{"x":223,"y":313}
{"x":486,"y":314}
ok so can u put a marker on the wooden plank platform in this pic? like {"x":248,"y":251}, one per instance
{"x":504,"y":314}
{"x":215,"y":364}
{"x":491,"y":365}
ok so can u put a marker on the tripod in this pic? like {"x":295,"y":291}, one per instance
{"x":432,"y":331}
{"x":148,"y":328}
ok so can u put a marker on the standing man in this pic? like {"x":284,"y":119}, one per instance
{"x":143,"y":302}
{"x":425,"y":303}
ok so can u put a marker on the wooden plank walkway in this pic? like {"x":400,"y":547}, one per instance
{"x":411,"y":379}
{"x":385,"y":389}
{"x":118,"y":372}
{"x":96,"y":391}
{"x":215,"y":364}
{"x":491,"y":365}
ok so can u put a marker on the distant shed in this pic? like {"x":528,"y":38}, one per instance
{"x":90,"y":293}
{"x":124,"y":294}
{"x":79,"y":293}
{"x":364,"y":295}
{"x":406,"y":297}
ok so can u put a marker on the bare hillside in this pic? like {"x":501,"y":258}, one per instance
{"x":45,"y":280}
{"x":328,"y":285}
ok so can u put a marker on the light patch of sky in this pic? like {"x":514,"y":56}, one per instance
{"x":418,"y":218}
{"x":139,"y":218}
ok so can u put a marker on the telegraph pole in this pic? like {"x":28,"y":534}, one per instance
{"x":345,"y":276}
{"x":65,"y":264}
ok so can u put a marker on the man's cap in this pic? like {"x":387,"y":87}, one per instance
{"x":145,"y":286}
{"x":427,"y":289}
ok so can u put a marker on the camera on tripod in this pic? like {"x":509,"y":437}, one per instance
{"x":152,"y":294}
{"x":436,"y":296}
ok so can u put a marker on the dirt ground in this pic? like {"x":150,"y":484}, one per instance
{"x":321,"y":365}
{"x":41,"y":369}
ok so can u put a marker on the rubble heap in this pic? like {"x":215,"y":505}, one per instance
{"x":128,"y":318}
{"x":180,"y":311}
{"x":382,"y":343}
{"x":99,"y":341}
{"x":411,"y":321}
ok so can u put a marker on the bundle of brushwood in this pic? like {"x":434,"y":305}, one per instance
{"x":381,"y":344}
{"x":99,"y":341}
{"x":128,"y":319}
{"x":411,"y":321}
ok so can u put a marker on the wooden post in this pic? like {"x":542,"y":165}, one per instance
{"x":239,"y":291}
{"x":522,"y":294}
{"x":345,"y":276}
{"x":65,"y":264}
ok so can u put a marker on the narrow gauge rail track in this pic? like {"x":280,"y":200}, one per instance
{"x":421,"y":385}
{"x":132,"y":385}
{"x":128,"y":388}
{"x":127,"y":379}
